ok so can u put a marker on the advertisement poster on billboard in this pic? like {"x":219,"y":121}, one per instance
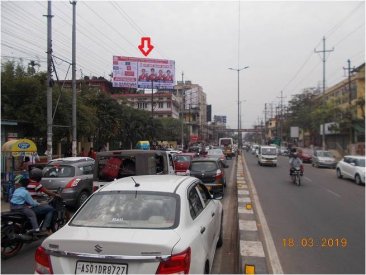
{"x":132,"y":72}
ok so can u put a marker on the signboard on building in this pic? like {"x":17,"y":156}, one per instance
{"x":132,"y":72}
{"x":330,"y":128}
{"x":220,"y":119}
{"x":294,"y":132}
{"x":209,"y":112}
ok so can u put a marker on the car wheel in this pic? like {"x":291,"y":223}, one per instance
{"x":339,"y":174}
{"x":221,"y":234}
{"x":358,"y":179}
{"x":82,"y":198}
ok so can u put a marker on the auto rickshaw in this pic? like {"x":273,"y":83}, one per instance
{"x":13,"y":151}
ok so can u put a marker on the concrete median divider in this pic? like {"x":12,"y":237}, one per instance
{"x":254,"y":254}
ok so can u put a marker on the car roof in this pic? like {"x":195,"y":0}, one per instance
{"x":156,"y":183}
{"x":205,"y":159}
{"x":355,"y":156}
{"x":70,"y":160}
{"x":131,"y":152}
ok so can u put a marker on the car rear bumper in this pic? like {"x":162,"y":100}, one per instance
{"x":327,"y":164}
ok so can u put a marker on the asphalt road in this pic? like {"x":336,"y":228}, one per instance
{"x":318,"y":227}
{"x":226,"y":257}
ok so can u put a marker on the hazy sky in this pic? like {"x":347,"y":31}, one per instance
{"x":277,"y":42}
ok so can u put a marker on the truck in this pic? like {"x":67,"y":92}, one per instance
{"x":227,"y":145}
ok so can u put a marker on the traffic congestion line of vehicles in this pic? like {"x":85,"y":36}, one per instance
{"x":349,"y":166}
{"x":82,"y":178}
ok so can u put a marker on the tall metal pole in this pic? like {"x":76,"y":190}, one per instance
{"x":74,"y":136}
{"x":239,"y":133}
{"x":324,"y":60}
{"x":183,"y":109}
{"x":351,"y":139}
{"x":49,"y":82}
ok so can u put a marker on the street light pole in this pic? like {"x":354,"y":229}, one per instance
{"x":239,"y":133}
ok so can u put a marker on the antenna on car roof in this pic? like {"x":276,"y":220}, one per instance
{"x":136,"y":184}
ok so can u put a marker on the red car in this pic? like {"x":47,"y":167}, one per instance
{"x":305,"y":155}
{"x":182,"y":162}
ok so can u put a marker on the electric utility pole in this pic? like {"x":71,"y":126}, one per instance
{"x":49,"y":82}
{"x":183,"y":109}
{"x":74,"y":136}
{"x":349,"y":70}
{"x":281,"y":116}
{"x":324,"y":60}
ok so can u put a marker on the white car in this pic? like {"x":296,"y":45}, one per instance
{"x":352,"y":167}
{"x":141,"y":224}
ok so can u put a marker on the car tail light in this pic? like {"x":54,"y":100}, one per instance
{"x":73,"y":183}
{"x":218,"y":174}
{"x":43,"y":261}
{"x":178,"y":263}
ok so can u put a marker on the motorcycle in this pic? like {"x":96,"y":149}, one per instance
{"x":16,"y":228}
{"x":296,"y":175}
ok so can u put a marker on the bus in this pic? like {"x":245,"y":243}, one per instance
{"x":227,"y":145}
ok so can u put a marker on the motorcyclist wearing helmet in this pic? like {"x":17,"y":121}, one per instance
{"x":37,"y":191}
{"x":22,"y":201}
{"x":295,"y":162}
{"x":35,"y":188}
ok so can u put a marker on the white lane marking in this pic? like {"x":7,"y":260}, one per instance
{"x":251,"y":249}
{"x":243,"y":192}
{"x":272,"y":252}
{"x":334,"y":193}
{"x":243,"y":210}
{"x":244,"y":200}
{"x":306,"y":178}
{"x":248,"y":225}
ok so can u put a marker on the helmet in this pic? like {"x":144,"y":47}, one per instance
{"x":20,"y":179}
{"x":35,"y":174}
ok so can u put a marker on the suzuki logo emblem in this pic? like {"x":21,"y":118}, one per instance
{"x":98,"y":248}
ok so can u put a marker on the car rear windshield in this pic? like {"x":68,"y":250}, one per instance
{"x":115,"y":167}
{"x":58,"y":171}
{"x":215,"y":152}
{"x":269,"y":151}
{"x":324,"y":154}
{"x":180,"y":158}
{"x":203,"y":166}
{"x":115,"y":209}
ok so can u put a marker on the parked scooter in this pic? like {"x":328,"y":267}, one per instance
{"x":16,"y":228}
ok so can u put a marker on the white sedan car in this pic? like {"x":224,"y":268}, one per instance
{"x":141,"y":224}
{"x":352,"y":167}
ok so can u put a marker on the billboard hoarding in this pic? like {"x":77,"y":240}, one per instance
{"x":294,"y":132}
{"x":132,"y":72}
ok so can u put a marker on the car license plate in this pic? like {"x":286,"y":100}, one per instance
{"x":99,"y":268}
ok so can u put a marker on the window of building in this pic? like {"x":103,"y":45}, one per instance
{"x":168,"y":104}
{"x":161,"y":105}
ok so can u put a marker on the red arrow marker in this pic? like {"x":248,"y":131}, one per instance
{"x":145,"y":47}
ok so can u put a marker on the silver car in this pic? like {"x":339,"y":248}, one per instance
{"x":322,"y":158}
{"x":155,"y":224}
{"x":74,"y":175}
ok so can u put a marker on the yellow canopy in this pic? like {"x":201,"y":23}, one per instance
{"x":19,"y":147}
